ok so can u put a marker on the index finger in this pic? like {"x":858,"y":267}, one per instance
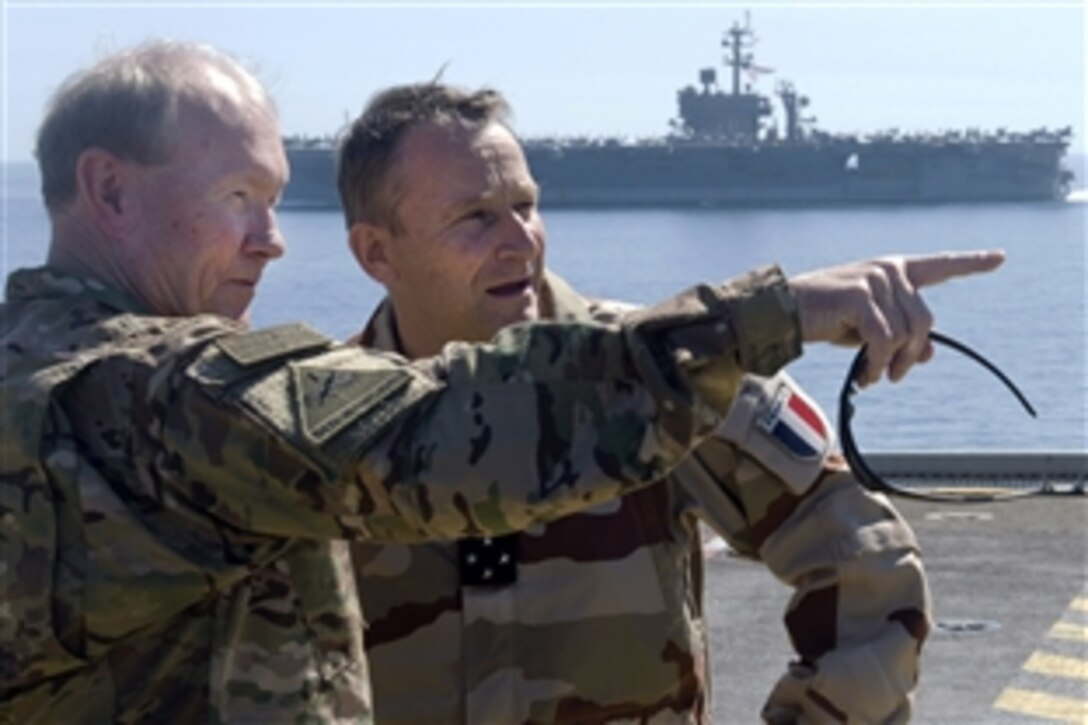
{"x":933,"y":269}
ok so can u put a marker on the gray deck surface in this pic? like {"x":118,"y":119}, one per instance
{"x":1022,"y":566}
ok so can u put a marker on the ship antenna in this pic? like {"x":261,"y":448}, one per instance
{"x":440,"y":73}
{"x":738,"y":40}
{"x":732,"y":44}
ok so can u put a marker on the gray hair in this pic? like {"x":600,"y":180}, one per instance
{"x":124,"y":103}
{"x":368,"y":147}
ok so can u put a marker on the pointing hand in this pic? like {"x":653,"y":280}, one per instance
{"x":878,"y":303}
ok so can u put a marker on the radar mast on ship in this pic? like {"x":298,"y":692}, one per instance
{"x":736,"y":116}
{"x":792,"y":103}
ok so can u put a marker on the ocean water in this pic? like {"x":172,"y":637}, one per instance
{"x":1029,"y":317}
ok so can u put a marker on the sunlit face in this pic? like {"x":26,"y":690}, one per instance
{"x":469,"y":257}
{"x":205,"y":225}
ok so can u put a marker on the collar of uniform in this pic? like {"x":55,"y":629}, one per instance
{"x":558,"y":301}
{"x":50,"y":282}
{"x":380,"y":331}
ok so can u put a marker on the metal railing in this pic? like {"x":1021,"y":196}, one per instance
{"x":1057,"y":471}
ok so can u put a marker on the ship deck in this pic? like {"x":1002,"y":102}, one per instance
{"x":1010,"y":590}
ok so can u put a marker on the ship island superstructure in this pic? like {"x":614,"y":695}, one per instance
{"x":725,"y":149}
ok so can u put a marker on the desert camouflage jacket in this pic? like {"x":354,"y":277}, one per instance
{"x":600,"y":616}
{"x":175,"y":493}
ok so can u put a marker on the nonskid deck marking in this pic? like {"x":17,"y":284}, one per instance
{"x":1044,"y":705}
{"x":1044,"y":663}
{"x":1060,"y":670}
{"x":1069,"y":631}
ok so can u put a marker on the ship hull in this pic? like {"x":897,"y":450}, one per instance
{"x":611,"y":174}
{"x":312,"y":181}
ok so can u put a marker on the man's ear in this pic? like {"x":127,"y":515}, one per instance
{"x":101,"y":179}
{"x":370,"y":243}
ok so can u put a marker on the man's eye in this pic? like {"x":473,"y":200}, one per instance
{"x":479,"y":216}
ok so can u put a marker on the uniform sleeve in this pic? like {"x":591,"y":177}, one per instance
{"x":546,"y":420}
{"x":860,"y":609}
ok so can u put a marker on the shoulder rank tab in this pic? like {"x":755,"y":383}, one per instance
{"x":260,"y":346}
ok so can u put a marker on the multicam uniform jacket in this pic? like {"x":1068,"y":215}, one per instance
{"x":601,"y":616}
{"x":176,"y":493}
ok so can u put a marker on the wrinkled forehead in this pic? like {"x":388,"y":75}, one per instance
{"x":434,"y":151}
{"x":505,"y":161}
{"x":448,"y":165}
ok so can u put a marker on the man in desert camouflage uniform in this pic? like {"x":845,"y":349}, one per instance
{"x":598,"y":616}
{"x":176,"y":492}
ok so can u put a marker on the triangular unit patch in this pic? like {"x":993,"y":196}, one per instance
{"x":329,"y":398}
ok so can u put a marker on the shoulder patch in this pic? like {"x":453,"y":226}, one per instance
{"x":329,"y":398}
{"x":795,"y":424}
{"x":773,"y":421}
{"x":327,"y":406}
{"x":270,"y":343}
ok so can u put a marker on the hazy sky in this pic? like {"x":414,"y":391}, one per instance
{"x":601,"y":68}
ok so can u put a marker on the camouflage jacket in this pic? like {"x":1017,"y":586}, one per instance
{"x":604,"y":618}
{"x":175,"y":493}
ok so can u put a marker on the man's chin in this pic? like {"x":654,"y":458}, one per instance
{"x":237,"y":312}
{"x":235,"y":304}
{"x":520,"y":318}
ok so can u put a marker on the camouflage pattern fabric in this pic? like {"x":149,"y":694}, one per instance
{"x":605,"y":620}
{"x":176,"y":493}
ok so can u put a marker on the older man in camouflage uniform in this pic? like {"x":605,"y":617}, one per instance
{"x":599,"y":616}
{"x":175,"y":492}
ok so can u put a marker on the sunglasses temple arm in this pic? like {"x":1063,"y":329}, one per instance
{"x":869,"y":478}
{"x":977,"y":357}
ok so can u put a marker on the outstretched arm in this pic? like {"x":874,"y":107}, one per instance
{"x":545,"y":420}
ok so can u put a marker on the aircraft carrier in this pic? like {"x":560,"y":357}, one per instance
{"x":726,"y":148}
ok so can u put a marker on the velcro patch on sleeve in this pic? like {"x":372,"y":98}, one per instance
{"x":307,"y":401}
{"x":270,"y":343}
{"x":329,"y":398}
{"x":777,"y":424}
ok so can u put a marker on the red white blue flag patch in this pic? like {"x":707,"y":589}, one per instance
{"x":796,"y":425}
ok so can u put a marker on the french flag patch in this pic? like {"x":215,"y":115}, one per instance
{"x":796,"y":424}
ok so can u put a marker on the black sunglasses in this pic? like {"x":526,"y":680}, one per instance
{"x":873,"y":481}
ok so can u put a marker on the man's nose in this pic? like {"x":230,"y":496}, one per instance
{"x":521,"y":236}
{"x":263,"y":237}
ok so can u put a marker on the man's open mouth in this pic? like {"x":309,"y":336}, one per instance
{"x":510,"y":289}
